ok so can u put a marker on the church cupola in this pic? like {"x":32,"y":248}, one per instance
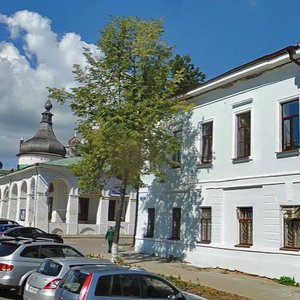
{"x":43,"y":146}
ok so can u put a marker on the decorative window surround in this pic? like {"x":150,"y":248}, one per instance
{"x":243,"y":102}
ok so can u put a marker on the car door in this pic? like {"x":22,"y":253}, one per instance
{"x":28,"y":259}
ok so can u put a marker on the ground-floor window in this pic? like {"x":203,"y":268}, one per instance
{"x":291,"y":227}
{"x":245,"y":219}
{"x":176,"y":223}
{"x":150,"y":224}
{"x":205,"y":223}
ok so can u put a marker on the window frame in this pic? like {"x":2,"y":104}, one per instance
{"x":176,"y":223}
{"x":243,"y":219}
{"x":289,"y":220}
{"x":177,"y":157}
{"x":282,"y":127}
{"x":203,"y":139}
{"x":243,"y":148}
{"x":205,"y":225}
{"x":150,"y":223}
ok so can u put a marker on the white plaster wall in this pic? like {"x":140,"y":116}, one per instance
{"x":265,"y":182}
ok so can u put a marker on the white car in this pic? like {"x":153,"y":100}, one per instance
{"x":42,"y":283}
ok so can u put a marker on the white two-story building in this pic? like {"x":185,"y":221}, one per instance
{"x":234,"y":202}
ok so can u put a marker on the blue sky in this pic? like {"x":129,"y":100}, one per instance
{"x":40,"y":40}
{"x":218,"y":34}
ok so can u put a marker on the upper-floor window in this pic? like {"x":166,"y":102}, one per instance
{"x":150,"y":224}
{"x":205,"y":222}
{"x":177,"y":155}
{"x":243,"y":135}
{"x":290,"y":125}
{"x":245,"y":218}
{"x":206,"y":142}
{"x":176,"y":223}
{"x":291,"y":227}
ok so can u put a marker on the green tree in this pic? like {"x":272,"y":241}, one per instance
{"x":189,"y":76}
{"x":124,"y":103}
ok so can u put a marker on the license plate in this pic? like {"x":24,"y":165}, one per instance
{"x":32,"y":290}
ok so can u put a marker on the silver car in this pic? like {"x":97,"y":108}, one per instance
{"x":118,"y":283}
{"x":18,"y":257}
{"x":42,"y":283}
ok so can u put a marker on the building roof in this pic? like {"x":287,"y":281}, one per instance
{"x":251,"y":69}
{"x":64,"y":162}
{"x":44,"y":141}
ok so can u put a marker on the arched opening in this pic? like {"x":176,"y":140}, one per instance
{"x":5,"y":197}
{"x":23,"y":199}
{"x":31,"y":201}
{"x":13,"y":202}
{"x":58,"y":194}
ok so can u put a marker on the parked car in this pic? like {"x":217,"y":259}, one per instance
{"x":5,"y":227}
{"x":31,"y":232}
{"x":91,"y":283}
{"x":7,"y":221}
{"x":42,"y":282}
{"x":18,"y":257}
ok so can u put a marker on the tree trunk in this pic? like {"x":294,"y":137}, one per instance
{"x":136,"y":215}
{"x":120,"y":205}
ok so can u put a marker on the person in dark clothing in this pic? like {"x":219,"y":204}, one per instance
{"x":110,"y":237}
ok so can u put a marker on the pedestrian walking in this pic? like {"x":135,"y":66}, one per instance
{"x":110,"y":237}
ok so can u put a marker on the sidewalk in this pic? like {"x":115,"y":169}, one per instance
{"x":252,"y":287}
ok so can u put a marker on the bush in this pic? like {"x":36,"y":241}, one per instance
{"x":285,"y":280}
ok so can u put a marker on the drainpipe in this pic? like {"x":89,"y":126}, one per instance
{"x":291,"y":52}
{"x":35,"y":199}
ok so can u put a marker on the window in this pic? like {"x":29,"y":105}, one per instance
{"x":177,"y":155}
{"x":31,"y":251}
{"x":176,"y":223}
{"x":50,"y":208}
{"x":291,"y":227}
{"x":124,"y":285}
{"x":150,"y":225}
{"x":205,"y":225}
{"x":156,"y":288}
{"x":83,"y":210}
{"x":290,"y":125}
{"x":245,"y":219}
{"x":243,"y":138}
{"x":206,"y":142}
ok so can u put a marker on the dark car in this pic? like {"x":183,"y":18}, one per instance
{"x":4,"y":227}
{"x":32,"y":232}
{"x":7,"y":221}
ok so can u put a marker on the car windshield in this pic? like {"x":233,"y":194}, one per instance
{"x":49,"y":267}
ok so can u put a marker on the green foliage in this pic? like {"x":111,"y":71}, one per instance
{"x":187,"y":75}
{"x":124,"y":104}
{"x":285,"y":280}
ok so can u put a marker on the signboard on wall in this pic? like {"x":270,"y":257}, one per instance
{"x":22,"y":215}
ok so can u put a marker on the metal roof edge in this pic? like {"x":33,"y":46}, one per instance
{"x":259,"y":65}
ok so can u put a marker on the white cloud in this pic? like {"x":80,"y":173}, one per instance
{"x":43,"y":60}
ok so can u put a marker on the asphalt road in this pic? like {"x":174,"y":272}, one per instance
{"x":87,"y":245}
